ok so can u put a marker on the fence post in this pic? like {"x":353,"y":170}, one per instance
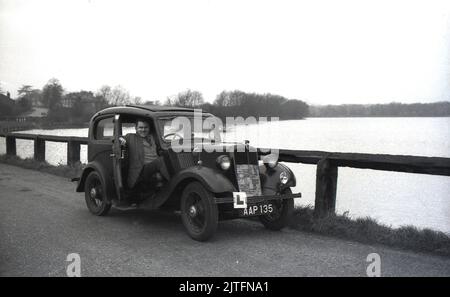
{"x":73,"y":152}
{"x":326,"y":183}
{"x":10,"y":145}
{"x":39,"y":149}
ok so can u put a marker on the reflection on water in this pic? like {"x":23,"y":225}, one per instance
{"x":392,"y":198}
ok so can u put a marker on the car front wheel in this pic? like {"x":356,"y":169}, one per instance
{"x":281,"y":215}
{"x":199,"y":212}
{"x":94,"y":193}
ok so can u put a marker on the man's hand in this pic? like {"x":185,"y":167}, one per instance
{"x":122,"y":140}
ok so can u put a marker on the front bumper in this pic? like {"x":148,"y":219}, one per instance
{"x":258,"y":199}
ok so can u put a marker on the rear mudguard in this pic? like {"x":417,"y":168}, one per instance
{"x":107,"y":180}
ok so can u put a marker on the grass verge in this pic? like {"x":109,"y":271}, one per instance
{"x":60,"y":170}
{"x":368,"y":230}
{"x":364,"y":230}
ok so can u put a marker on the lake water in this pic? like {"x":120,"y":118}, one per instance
{"x":392,"y":198}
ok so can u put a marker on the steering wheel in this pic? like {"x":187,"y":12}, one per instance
{"x":174,"y":136}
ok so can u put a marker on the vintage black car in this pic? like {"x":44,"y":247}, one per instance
{"x":205,"y":185}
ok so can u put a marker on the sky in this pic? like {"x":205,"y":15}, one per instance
{"x":322,"y":52}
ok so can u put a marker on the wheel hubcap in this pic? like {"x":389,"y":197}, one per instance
{"x":192,"y":211}
{"x":195,"y":212}
{"x":93,"y":193}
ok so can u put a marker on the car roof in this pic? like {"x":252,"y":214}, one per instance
{"x":146,"y":110}
{"x":156,"y":108}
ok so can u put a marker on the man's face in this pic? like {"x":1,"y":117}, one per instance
{"x":142,"y":129}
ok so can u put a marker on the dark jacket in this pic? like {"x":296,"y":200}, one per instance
{"x":135,"y":157}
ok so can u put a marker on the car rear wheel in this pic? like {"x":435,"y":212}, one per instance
{"x":281,"y":215}
{"x":94,"y":193}
{"x":199,"y":212}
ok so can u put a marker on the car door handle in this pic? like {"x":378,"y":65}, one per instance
{"x":121,"y":155}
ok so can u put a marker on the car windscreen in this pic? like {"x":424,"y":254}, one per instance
{"x":209,"y":128}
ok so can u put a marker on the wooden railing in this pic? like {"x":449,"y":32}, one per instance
{"x":327,"y":163}
{"x":73,"y":145}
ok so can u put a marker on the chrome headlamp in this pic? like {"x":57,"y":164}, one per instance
{"x":284,"y":177}
{"x":224,"y":162}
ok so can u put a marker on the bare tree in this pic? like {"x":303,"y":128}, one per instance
{"x":104,"y":91}
{"x":120,"y":96}
{"x":115,"y":96}
{"x":232,"y":98}
{"x":137,"y":100}
{"x":189,"y":98}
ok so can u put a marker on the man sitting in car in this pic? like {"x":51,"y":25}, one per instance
{"x":144,"y":161}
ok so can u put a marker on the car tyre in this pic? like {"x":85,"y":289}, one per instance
{"x":199,"y":212}
{"x":281,"y":215}
{"x":95,"y":194}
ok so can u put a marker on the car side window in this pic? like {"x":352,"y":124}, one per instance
{"x":128,"y":128}
{"x":105,"y":129}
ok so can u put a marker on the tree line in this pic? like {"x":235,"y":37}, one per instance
{"x":77,"y":107}
{"x":72,"y":107}
{"x":437,"y":109}
{"x":239,"y":103}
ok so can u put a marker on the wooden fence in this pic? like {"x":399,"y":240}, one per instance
{"x":327,"y":163}
{"x":73,"y":145}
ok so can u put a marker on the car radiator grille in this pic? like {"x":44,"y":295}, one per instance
{"x":247,"y":173}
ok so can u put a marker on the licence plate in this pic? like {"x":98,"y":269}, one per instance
{"x":257,"y":209}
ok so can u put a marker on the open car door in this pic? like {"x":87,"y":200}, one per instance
{"x":118,"y":156}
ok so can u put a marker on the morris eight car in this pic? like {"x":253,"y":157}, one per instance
{"x":208,"y":181}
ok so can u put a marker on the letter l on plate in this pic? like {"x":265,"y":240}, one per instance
{"x":240,"y":199}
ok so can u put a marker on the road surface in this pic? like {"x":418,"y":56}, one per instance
{"x":43,"y":220}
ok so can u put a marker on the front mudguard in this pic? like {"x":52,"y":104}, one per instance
{"x":270,"y":179}
{"x":211,"y":179}
{"x":216,"y":182}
